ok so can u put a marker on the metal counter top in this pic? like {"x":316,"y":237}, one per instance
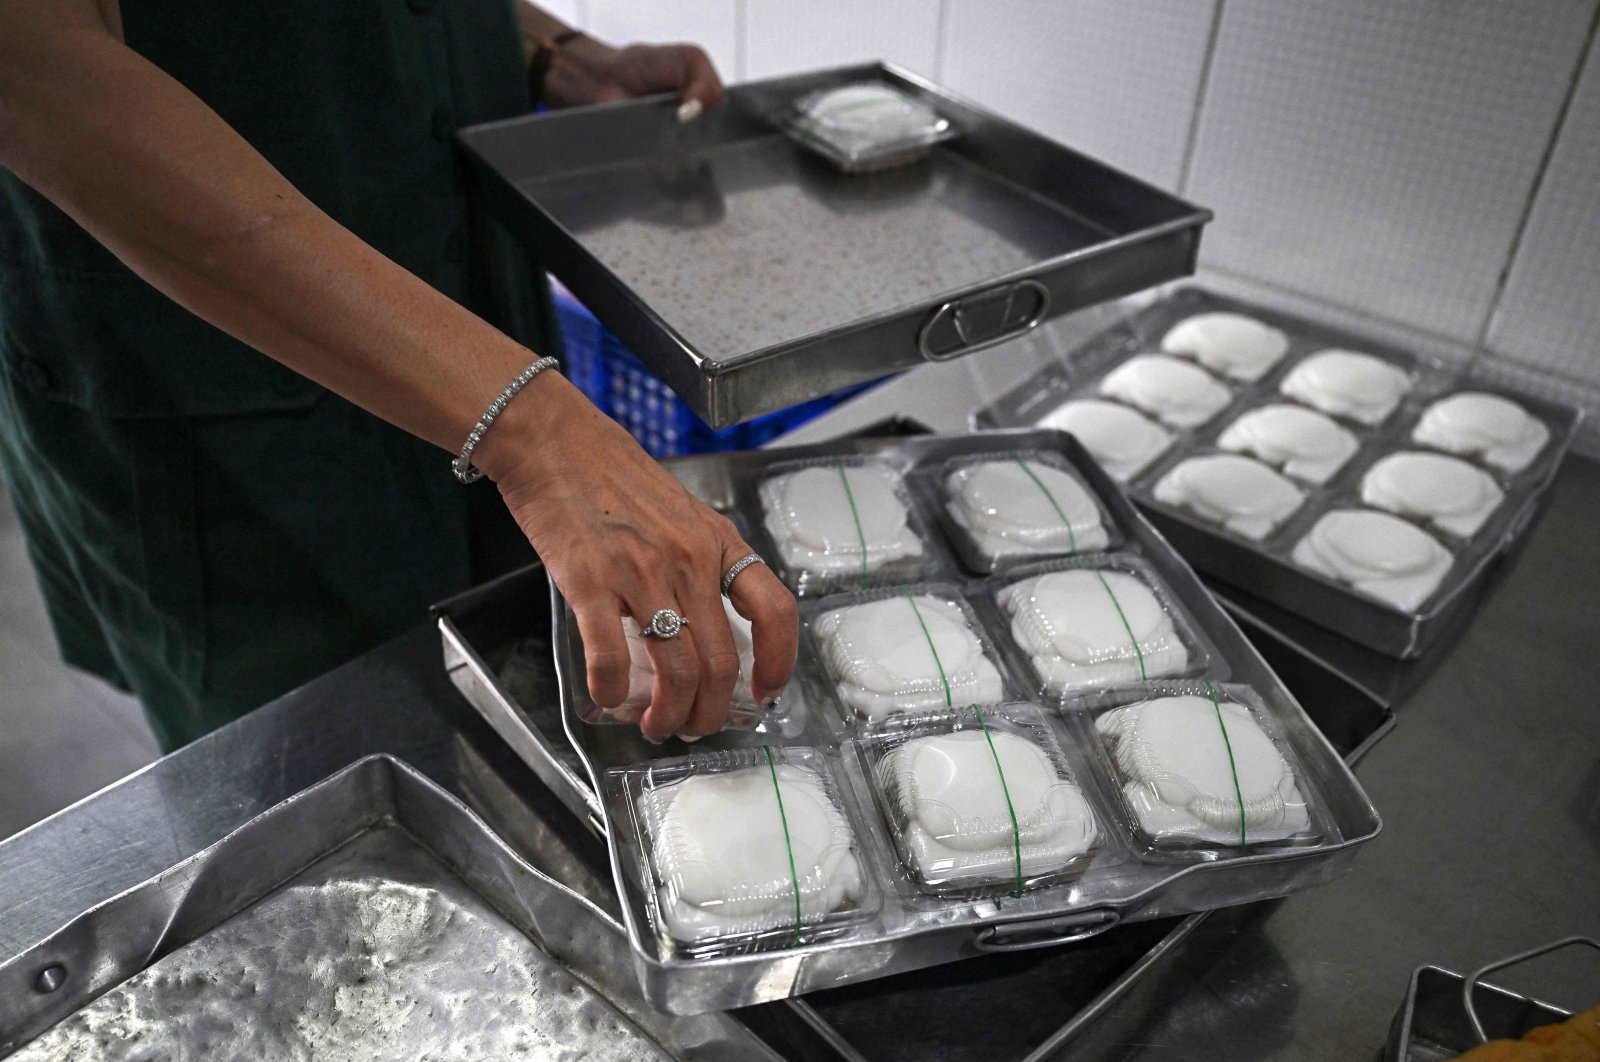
{"x":1489,"y":788}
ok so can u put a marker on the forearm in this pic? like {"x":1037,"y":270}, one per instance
{"x":537,"y":24}
{"x":162,"y":181}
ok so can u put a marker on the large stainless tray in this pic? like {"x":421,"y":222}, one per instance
{"x":1262,"y":570}
{"x":373,"y":900}
{"x":750,"y":276}
{"x":920,"y":940}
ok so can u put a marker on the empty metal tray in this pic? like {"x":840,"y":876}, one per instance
{"x":751,"y":275}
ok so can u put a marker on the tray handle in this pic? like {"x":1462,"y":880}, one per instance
{"x":1045,"y":932}
{"x":982,"y":319}
{"x":1477,"y":975}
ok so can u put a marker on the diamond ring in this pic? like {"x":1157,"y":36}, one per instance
{"x":738,"y":566}
{"x":664,"y":624}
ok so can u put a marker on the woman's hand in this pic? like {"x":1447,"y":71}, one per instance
{"x":621,"y":537}
{"x":586,"y":71}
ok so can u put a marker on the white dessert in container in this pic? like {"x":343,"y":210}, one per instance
{"x":839,"y":520}
{"x":1378,"y":554}
{"x":909,"y":653}
{"x":1447,"y":492}
{"x":1084,"y":627}
{"x":1202,"y":773}
{"x":1173,"y":391}
{"x":1346,"y":383}
{"x":1123,"y":441}
{"x":744,"y":707}
{"x":953,"y":810}
{"x":1237,"y":493}
{"x":729,"y":863}
{"x":1022,"y":506}
{"x":1232,"y":344}
{"x":1493,"y":428}
{"x":1303,"y":443}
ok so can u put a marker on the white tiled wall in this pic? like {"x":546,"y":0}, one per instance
{"x":1114,"y":79}
{"x":1403,"y":164}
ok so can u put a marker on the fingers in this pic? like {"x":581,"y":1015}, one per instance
{"x":760,"y":597}
{"x":677,"y":668}
{"x":701,"y":85}
{"x":719,"y":660}
{"x":605,"y":650}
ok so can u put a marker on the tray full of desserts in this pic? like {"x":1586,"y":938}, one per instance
{"x":1356,"y":484}
{"x":1017,"y":720}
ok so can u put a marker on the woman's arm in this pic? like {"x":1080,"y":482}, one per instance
{"x":162,"y":181}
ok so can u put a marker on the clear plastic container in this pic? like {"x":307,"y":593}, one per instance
{"x":1492,"y":429}
{"x":979,"y":800}
{"x":746,"y":850}
{"x":1304,"y":444}
{"x":843,"y":524}
{"x":1231,"y":492}
{"x":1095,"y":622}
{"x":1352,"y":385}
{"x":1201,"y":765}
{"x":867,"y":126}
{"x":744,"y":712}
{"x":1377,"y":554}
{"x":1001,"y":510}
{"x":915,"y":649}
{"x":1451,"y":496}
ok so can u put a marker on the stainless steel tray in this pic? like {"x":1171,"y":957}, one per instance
{"x":750,"y":275}
{"x":372,"y":915}
{"x":1446,"y":1014}
{"x":1262,"y":570}
{"x":1039,"y":920}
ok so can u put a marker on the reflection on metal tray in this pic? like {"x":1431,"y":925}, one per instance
{"x":1045,"y":917}
{"x":750,"y":275}
{"x":371,"y":916}
{"x":1263,"y":568}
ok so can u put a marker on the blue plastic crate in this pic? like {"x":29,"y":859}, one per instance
{"x":618,"y":382}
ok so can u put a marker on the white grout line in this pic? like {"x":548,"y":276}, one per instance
{"x":1191,"y":144}
{"x":1480,"y":344}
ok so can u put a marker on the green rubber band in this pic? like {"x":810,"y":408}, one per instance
{"x":1016,"y":831}
{"x":1072,"y":536}
{"x":1233,"y":767}
{"x":1072,"y":541}
{"x":1132,"y":638}
{"x":932,"y":649}
{"x":794,"y":875}
{"x":855,"y":514}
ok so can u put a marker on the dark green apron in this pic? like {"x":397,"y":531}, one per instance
{"x":209,"y":528}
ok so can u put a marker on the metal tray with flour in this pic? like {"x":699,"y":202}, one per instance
{"x":481,"y":627}
{"x":751,"y":275}
{"x":370,"y":916}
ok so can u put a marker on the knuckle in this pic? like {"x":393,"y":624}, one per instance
{"x":607,"y":662}
{"x":678,"y":674}
{"x":722,"y":667}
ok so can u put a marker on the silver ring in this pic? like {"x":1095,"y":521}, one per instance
{"x":664,"y":624}
{"x":738,"y":566}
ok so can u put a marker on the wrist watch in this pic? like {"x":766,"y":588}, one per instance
{"x":543,"y":56}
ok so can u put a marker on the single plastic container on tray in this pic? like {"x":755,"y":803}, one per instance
{"x":1201,"y":765}
{"x":1124,"y":440}
{"x":1350,"y":384}
{"x":1489,"y":428}
{"x":1451,"y":496}
{"x":913,"y":649}
{"x":1376,"y":554}
{"x":1004,"y":509}
{"x":1304,"y":444}
{"x":1231,"y":492}
{"x":1235,"y":345}
{"x":867,"y":126}
{"x":1174,"y":391}
{"x":979,"y":800}
{"x":746,"y":850}
{"x":744,"y":711}
{"x":1093,"y":622}
{"x":845,"y":523}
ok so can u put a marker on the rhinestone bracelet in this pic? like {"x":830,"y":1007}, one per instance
{"x":462,"y":465}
